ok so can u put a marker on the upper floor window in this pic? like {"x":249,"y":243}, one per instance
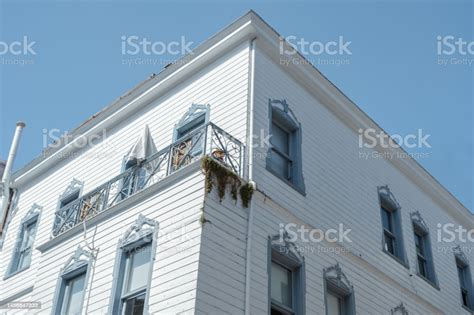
{"x":464,"y":275}
{"x":196,"y":117}
{"x":339,"y":293}
{"x":23,"y":250}
{"x":392,"y":238}
{"x":424,"y":254}
{"x":284,"y":157}
{"x":286,"y":277}
{"x":133,"y":268}
{"x":72,"y":282}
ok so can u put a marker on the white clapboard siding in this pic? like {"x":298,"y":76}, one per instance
{"x":223,"y":85}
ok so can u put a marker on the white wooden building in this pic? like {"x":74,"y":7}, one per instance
{"x":126,"y":225}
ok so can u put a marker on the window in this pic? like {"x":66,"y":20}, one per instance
{"x":339,"y":292}
{"x":23,"y":249}
{"x":72,"y":283}
{"x":137,"y":266}
{"x":424,"y":256}
{"x":74,"y":289}
{"x":390,"y":212}
{"x":284,"y":157}
{"x":464,"y":275}
{"x":133,"y":267}
{"x":286,"y":277}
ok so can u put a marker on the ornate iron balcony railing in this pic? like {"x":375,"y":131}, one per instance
{"x":207,"y":140}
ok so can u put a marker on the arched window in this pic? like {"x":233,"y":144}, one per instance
{"x":284,"y":158}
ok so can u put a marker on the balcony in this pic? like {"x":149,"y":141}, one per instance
{"x":208,"y":140}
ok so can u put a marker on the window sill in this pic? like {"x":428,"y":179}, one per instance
{"x":401,"y":262}
{"x":12,"y":274}
{"x":289,"y":183}
{"x":433,"y":284}
{"x":467,"y":309}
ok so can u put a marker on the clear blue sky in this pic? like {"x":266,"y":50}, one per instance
{"x":393,"y":72}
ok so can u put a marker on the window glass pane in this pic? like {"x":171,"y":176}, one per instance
{"x":24,"y":259}
{"x":422,"y":266}
{"x":280,"y":165}
{"x":139,"y":266}
{"x":281,"y":287}
{"x":135,"y":305}
{"x":68,"y":199}
{"x":390,"y":245}
{"x":280,"y":139}
{"x":387,"y":220}
{"x":462,"y":280}
{"x":419,"y":242}
{"x":333,"y":304}
{"x":75,"y":289}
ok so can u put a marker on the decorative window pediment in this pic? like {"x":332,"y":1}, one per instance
{"x":79,"y":259}
{"x":34,"y":212}
{"x":337,"y":280}
{"x":460,"y":255}
{"x":399,"y":310}
{"x":419,"y":223}
{"x":142,"y":228}
{"x":74,"y":186}
{"x":194,"y":112}
{"x":281,"y":109}
{"x":283,"y":246}
{"x":387,"y":198}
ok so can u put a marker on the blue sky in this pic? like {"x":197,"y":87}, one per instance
{"x":393,"y":73}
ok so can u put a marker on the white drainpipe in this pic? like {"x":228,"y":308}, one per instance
{"x":248,"y":256}
{"x":6,"y":179}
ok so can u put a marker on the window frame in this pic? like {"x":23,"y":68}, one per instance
{"x":282,"y":116}
{"x":285,"y":254}
{"x":78,"y":264}
{"x":32,"y":217}
{"x":141,"y":233}
{"x":337,"y":284}
{"x":421,"y":233}
{"x":462,"y":263}
{"x":388,"y":203}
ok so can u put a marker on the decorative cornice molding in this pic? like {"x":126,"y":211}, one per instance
{"x":142,"y":227}
{"x":418,"y":220}
{"x":80,"y":258}
{"x":388,"y":198}
{"x":282,"y":244}
{"x":34,"y":211}
{"x":336,"y":277}
{"x":399,"y":310}
{"x":73,"y":186}
{"x":460,"y":255}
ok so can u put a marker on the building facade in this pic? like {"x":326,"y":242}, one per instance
{"x":173,"y":200}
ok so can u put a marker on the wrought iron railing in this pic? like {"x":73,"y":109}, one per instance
{"x":208,"y":140}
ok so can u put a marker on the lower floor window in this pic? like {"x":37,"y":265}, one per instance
{"x":334,"y":304}
{"x":281,"y":289}
{"x":135,"y":305}
{"x":73,"y":292}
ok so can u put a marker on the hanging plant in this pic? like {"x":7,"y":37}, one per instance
{"x":220,"y":176}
